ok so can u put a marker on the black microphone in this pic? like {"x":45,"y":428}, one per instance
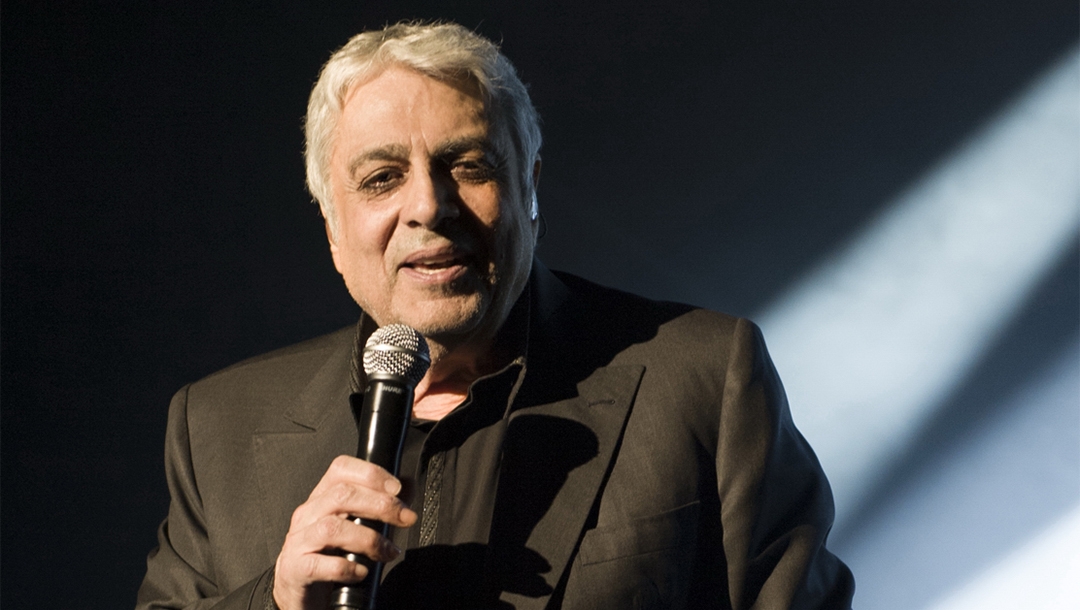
{"x":395,"y":360}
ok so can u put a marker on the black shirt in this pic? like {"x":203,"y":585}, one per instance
{"x":449,"y":473}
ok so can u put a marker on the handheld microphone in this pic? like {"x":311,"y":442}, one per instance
{"x":395,"y":359}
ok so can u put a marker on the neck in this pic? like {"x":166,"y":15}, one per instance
{"x":447,"y":381}
{"x":456,"y":362}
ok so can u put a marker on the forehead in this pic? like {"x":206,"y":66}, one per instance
{"x":399,"y":100}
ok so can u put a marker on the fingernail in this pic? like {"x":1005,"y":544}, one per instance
{"x":391,"y":550}
{"x":392,"y":486}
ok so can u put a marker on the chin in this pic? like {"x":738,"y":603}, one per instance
{"x":448,"y":318}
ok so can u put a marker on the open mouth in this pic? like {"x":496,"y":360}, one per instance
{"x":437,"y":265}
{"x":434,"y":266}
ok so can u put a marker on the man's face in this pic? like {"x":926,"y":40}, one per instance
{"x":432,"y":231}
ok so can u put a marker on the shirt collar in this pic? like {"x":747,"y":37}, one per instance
{"x":511,"y":343}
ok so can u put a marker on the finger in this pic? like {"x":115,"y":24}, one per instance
{"x":336,"y":535}
{"x":363,"y":502}
{"x":301,"y":578}
{"x":316,"y":567}
{"x":359,"y":472}
{"x":356,"y":488}
{"x":345,"y":499}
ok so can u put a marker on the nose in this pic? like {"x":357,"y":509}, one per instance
{"x":431,"y":201}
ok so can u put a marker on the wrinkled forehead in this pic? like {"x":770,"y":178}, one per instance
{"x":499,"y":129}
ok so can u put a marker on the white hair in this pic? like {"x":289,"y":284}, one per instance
{"x":444,"y":51}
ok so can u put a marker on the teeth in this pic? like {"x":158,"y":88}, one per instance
{"x":431,"y":266}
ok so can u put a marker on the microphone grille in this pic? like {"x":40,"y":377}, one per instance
{"x":396,"y":349}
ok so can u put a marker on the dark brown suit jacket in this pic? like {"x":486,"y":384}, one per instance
{"x":649,"y":461}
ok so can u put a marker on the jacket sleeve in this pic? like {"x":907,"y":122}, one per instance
{"x":776,"y":505}
{"x":180,"y":571}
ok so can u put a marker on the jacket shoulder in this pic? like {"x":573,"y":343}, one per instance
{"x":300,"y":379}
{"x":611,"y":310}
{"x":290,"y":361}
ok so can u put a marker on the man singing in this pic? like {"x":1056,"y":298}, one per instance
{"x":571,"y":446}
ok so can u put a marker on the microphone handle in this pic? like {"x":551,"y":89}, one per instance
{"x":382,"y":419}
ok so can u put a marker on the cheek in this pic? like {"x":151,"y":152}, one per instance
{"x":483,"y":201}
{"x":359,"y":264}
{"x":519,"y":227}
{"x":368,"y":232}
{"x":515,"y":251}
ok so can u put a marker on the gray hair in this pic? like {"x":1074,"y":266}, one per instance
{"x":444,"y":51}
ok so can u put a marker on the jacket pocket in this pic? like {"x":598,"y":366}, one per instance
{"x":669,"y":529}
{"x":642,"y":564}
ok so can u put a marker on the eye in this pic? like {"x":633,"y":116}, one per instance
{"x":472,"y":169}
{"x":382,"y":180}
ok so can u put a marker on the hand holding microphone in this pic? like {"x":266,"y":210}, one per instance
{"x":355,"y":503}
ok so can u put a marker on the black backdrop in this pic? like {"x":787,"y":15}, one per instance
{"x":155,"y":226}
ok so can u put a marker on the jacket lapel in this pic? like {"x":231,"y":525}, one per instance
{"x":555,"y":460}
{"x":293,"y":451}
{"x":561,"y":439}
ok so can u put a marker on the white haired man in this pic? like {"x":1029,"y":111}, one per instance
{"x":572,"y":446}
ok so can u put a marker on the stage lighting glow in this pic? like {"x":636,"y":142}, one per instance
{"x":980,"y":499}
{"x":1044,"y":574}
{"x":874,"y":339}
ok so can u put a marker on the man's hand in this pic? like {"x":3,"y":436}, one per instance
{"x":321,"y":530}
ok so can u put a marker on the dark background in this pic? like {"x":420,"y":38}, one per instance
{"x":155,"y":225}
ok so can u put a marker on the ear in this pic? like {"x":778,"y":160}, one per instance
{"x":536,"y":173}
{"x":534,"y":209}
{"x":334,"y":252}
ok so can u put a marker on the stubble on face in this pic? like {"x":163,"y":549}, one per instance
{"x":431,"y":233}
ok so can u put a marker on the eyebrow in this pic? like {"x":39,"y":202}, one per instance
{"x":458,"y":146}
{"x":390,"y":152}
{"x":444,"y":150}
